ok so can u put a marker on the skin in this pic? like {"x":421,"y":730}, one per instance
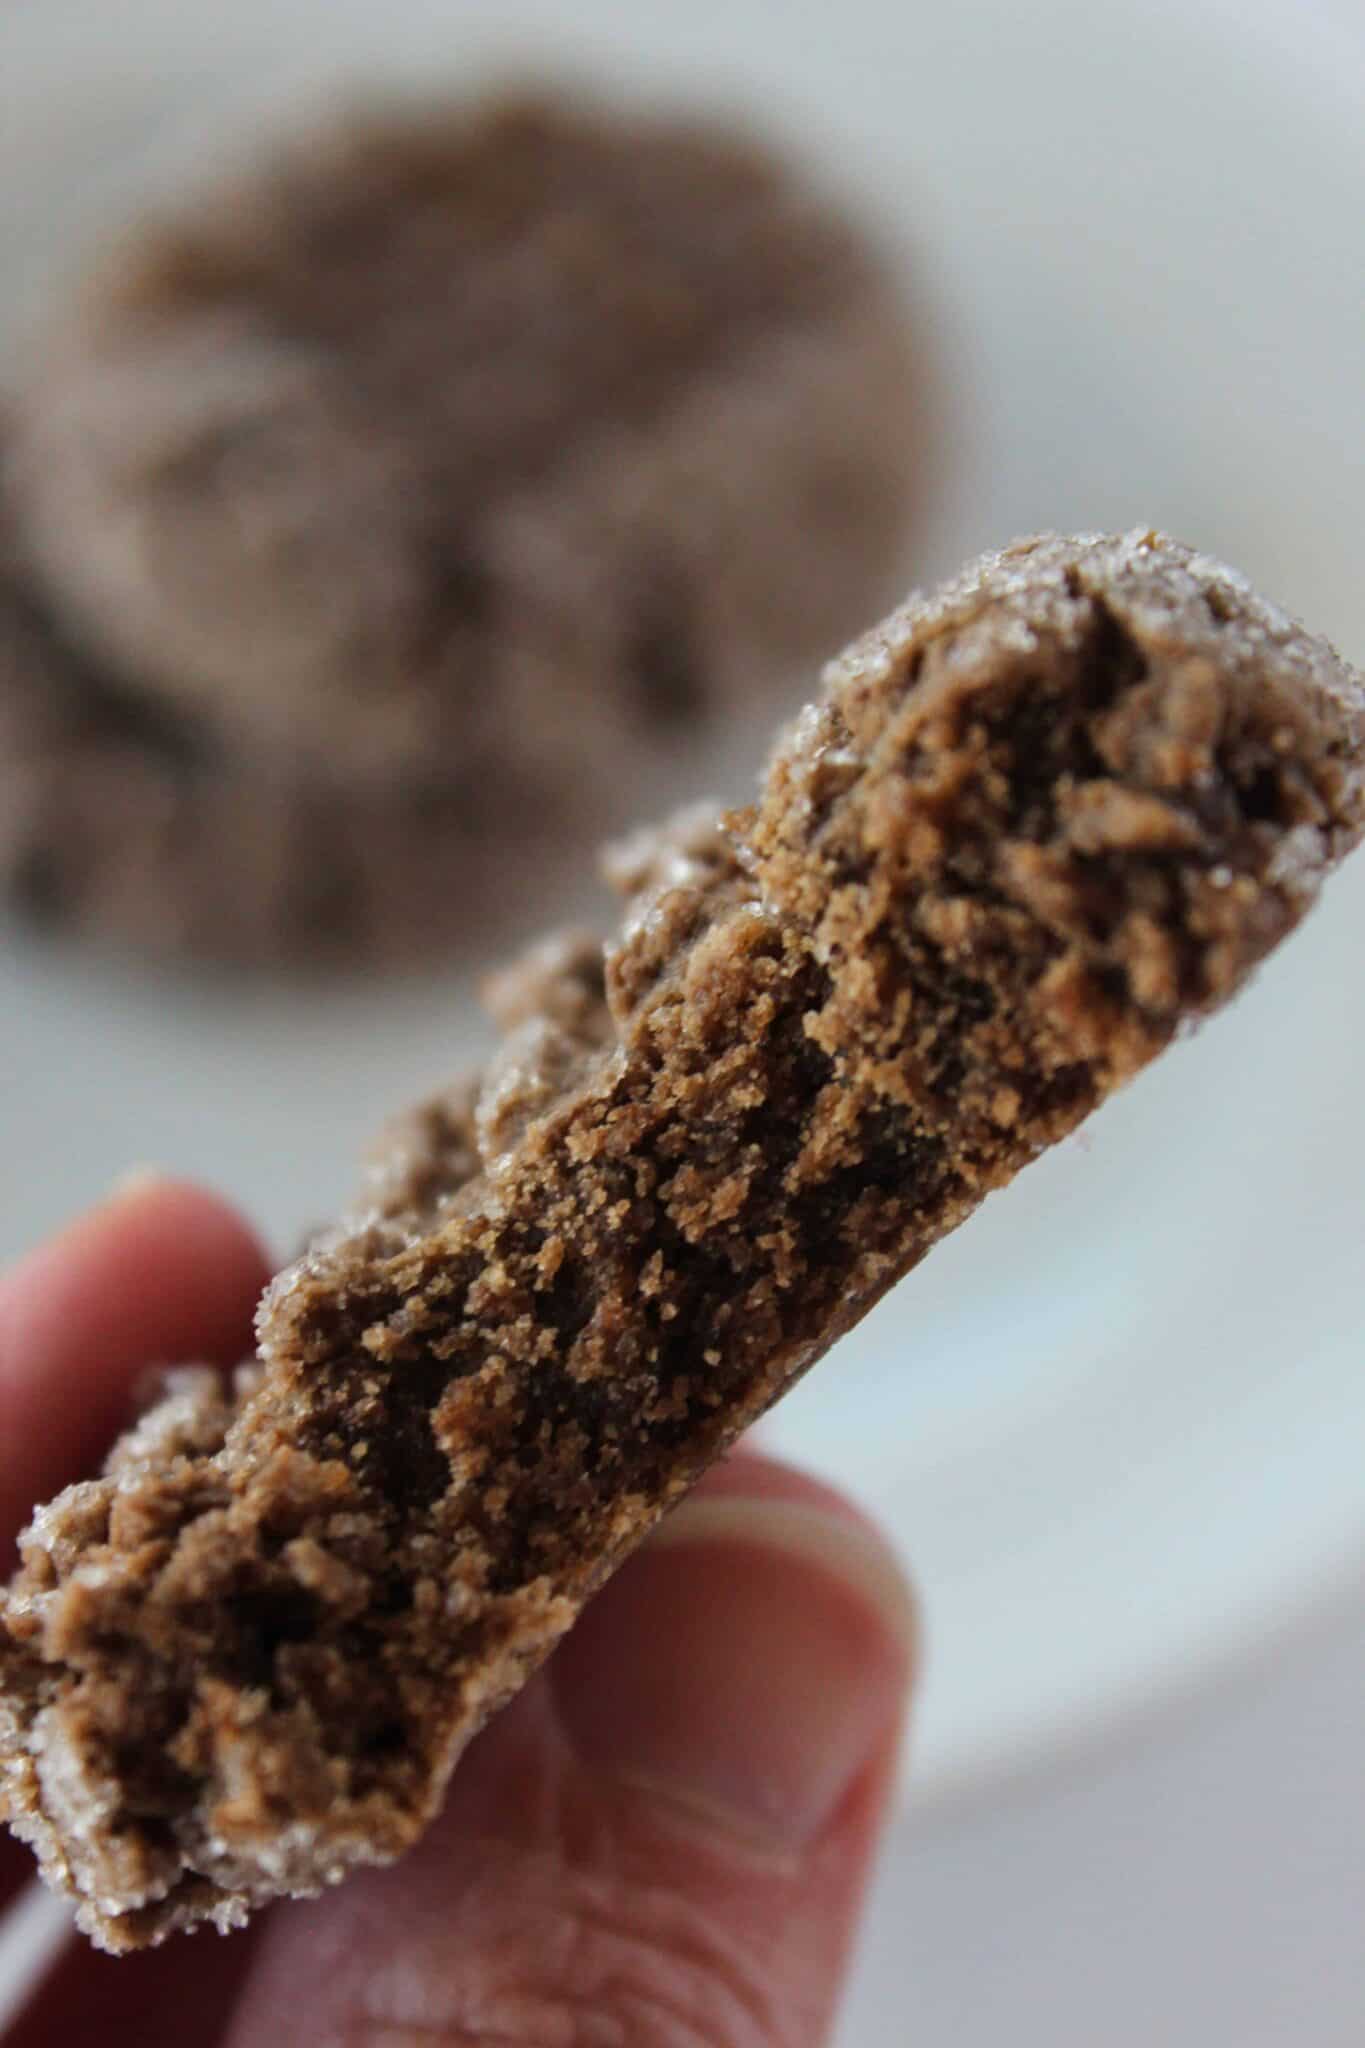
{"x":663,"y":1843}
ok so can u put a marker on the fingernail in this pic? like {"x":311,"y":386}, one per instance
{"x":748,"y":1666}
{"x":134,"y":1181}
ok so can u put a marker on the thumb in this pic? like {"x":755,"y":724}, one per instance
{"x":665,"y":1840}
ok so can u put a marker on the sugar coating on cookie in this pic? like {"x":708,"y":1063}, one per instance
{"x":1034,"y":825}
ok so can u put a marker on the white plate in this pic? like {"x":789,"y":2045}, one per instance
{"x":1119,"y":1423}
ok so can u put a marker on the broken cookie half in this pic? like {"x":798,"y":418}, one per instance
{"x":1034,"y":824}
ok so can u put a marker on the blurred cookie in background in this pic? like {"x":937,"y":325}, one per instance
{"x":428,"y":497}
{"x":121,"y":821}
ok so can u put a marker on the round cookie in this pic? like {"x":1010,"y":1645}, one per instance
{"x":453,"y":453}
{"x":1034,"y":828}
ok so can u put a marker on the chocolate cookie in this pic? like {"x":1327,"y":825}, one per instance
{"x":464,"y":460}
{"x":1035,"y":825}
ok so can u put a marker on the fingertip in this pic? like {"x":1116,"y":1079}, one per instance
{"x":161,"y":1272}
{"x":159,"y":1264}
{"x":752,"y":1661}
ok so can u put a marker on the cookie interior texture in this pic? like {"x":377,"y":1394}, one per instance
{"x":436,"y":483}
{"x":1034,"y":825}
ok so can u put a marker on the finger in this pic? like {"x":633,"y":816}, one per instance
{"x":179,"y":1996}
{"x":160,"y":1274}
{"x":666,"y":1839}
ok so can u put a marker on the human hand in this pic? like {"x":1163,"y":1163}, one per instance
{"x":662,"y":1843}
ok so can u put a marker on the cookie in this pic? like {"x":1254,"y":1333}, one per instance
{"x":468,"y":458}
{"x":1035,"y":826}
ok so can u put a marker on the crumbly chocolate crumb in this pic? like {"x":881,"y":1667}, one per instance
{"x":1035,"y":825}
